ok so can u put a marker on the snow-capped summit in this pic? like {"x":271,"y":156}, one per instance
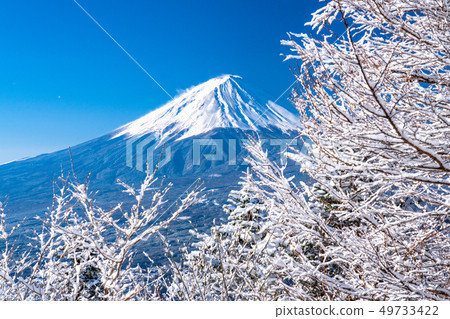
{"x":222,"y":102}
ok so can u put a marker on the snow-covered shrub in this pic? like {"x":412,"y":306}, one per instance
{"x":85,"y":252}
{"x":231,"y":263}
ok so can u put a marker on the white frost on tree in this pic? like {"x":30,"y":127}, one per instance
{"x":376,"y":104}
{"x":228,"y":263}
{"x":374,"y":223}
{"x":85,"y":252}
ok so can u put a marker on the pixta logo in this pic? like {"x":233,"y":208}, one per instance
{"x":143,"y":149}
{"x":149,"y":152}
{"x":218,"y":150}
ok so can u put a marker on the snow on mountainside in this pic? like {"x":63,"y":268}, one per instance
{"x":221,"y":102}
{"x":221,"y":109}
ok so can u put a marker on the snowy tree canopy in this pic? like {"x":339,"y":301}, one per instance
{"x":376,"y":104}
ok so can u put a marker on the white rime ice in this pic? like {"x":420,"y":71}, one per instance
{"x":374,"y":222}
{"x":84,"y":252}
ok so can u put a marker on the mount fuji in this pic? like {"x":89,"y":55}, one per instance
{"x":200,"y":134}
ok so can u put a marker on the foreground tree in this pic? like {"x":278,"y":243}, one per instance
{"x":376,"y":105}
{"x":229,"y":263}
{"x":375,"y":102}
{"x":85,"y":252}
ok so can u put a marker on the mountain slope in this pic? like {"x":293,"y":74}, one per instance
{"x":199,"y":134}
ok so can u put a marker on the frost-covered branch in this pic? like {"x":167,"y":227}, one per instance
{"x":84,"y":252}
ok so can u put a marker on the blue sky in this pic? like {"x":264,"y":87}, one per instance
{"x":63,"y":81}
